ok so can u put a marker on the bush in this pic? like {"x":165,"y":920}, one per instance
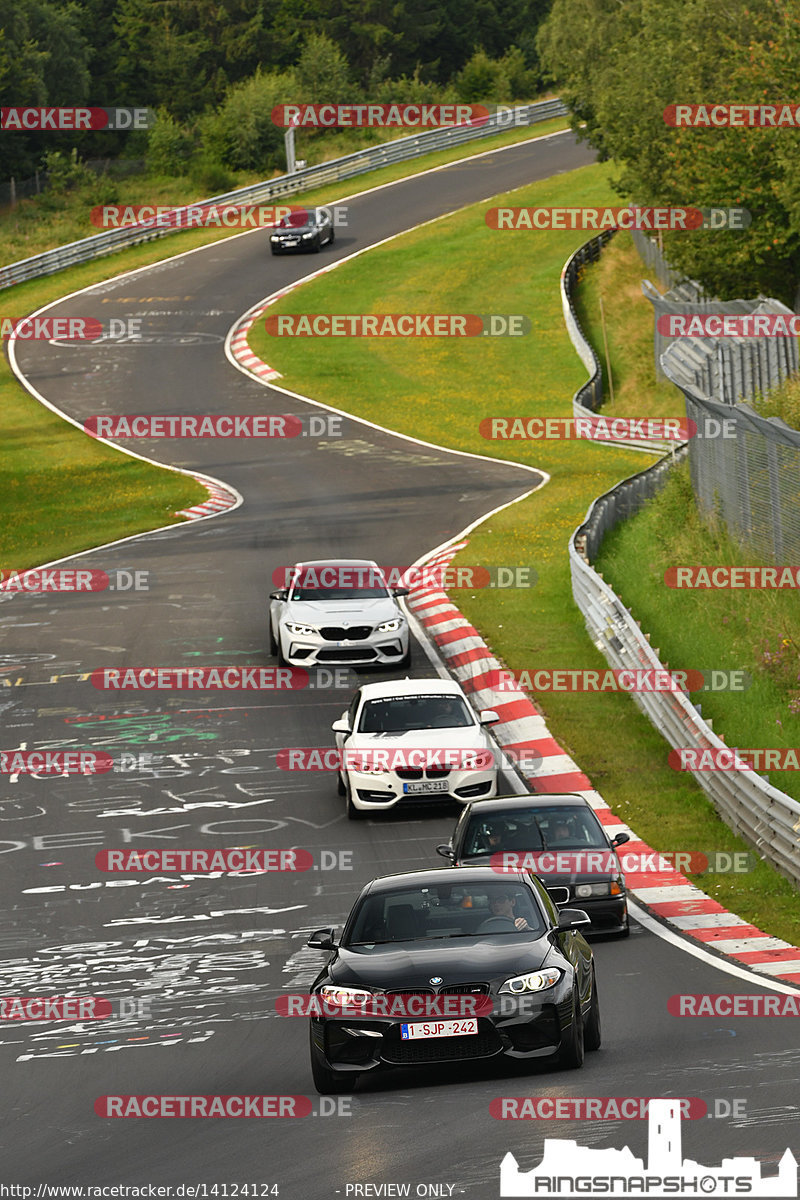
{"x":240,"y":135}
{"x":169,"y":146}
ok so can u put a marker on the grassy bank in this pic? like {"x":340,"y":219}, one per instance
{"x":441,"y":389}
{"x":61,"y":491}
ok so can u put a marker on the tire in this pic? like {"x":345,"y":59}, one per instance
{"x":332,"y":238}
{"x":627,"y":930}
{"x":592,"y":1036}
{"x":279,"y":653}
{"x":405,"y":661}
{"x":571,"y":1053}
{"x":326,"y":1081}
{"x":317,"y":246}
{"x":273,"y":645}
{"x":340,"y":788}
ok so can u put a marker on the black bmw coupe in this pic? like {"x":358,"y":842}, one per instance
{"x":452,"y":965}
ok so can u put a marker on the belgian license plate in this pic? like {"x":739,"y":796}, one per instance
{"x":425,"y":786}
{"x":437,"y":1029}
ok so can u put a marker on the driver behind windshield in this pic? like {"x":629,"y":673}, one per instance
{"x":502,"y":904}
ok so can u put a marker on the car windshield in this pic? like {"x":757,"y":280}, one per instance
{"x":545,"y":828}
{"x":402,"y":714}
{"x":445,"y":911}
{"x":342,"y":582}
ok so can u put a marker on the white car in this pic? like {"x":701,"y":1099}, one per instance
{"x":338,"y":611}
{"x":413,"y":740}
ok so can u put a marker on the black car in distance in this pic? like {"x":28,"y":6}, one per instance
{"x":557,"y":837}
{"x":452,"y":965}
{"x":300,"y":231}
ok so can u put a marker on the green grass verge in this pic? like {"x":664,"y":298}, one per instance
{"x":62,"y":492}
{"x":440,"y":390}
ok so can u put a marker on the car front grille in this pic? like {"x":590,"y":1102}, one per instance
{"x":347,"y":654}
{"x":418,"y":773}
{"x":356,"y":633}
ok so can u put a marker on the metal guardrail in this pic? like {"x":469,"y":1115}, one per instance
{"x":765,"y":817}
{"x":590,"y":395}
{"x":358,"y":163}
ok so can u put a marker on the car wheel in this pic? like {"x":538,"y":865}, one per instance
{"x":317,"y":246}
{"x":626,"y":932}
{"x":591,"y":1034}
{"x":332,"y":238}
{"x":279,"y":654}
{"x":326,"y":1081}
{"x":572,"y":1051}
{"x":273,"y":250}
{"x":273,"y":645}
{"x":405,"y":661}
{"x":341,"y":789}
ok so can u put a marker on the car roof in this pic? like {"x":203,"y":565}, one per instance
{"x":438,"y":875}
{"x":539,"y":800}
{"x":411,"y":687}
{"x":336,"y":562}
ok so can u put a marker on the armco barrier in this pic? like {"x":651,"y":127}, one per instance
{"x":362,"y":161}
{"x":765,"y":817}
{"x":590,"y":394}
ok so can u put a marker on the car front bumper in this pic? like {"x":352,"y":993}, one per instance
{"x":382,"y":791}
{"x":518,"y":1028}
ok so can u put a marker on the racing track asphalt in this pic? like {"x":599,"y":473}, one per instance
{"x":211,"y":954}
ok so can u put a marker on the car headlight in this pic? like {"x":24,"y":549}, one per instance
{"x":300,"y":630}
{"x":305,"y":236}
{"x":390,"y":626}
{"x":354,"y":762}
{"x":584,"y":890}
{"x":346,"y":997}
{"x":274,"y":238}
{"x":534,"y":981}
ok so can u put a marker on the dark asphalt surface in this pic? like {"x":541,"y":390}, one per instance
{"x":207,"y":957}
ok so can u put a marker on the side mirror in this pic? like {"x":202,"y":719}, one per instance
{"x":446,"y":850}
{"x":488,"y":716}
{"x":572,"y":918}
{"x":620,"y":839}
{"x":280,"y":595}
{"x":401,"y":591}
{"x":322,"y":939}
{"x":342,"y":725}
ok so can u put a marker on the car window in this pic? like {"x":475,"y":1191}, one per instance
{"x":339,"y":583}
{"x":492,"y":832}
{"x":401,"y":714}
{"x":570,"y":828}
{"x":444,"y":911}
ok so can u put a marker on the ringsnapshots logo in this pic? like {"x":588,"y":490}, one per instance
{"x":568,"y":1169}
{"x":648,"y":219}
{"x":73,"y":120}
{"x":398,"y":325}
